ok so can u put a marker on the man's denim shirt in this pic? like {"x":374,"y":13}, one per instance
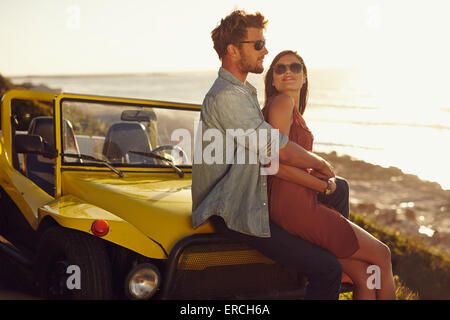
{"x":236,"y":192}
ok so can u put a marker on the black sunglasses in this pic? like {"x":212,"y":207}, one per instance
{"x":259,"y":44}
{"x":295,"y":67}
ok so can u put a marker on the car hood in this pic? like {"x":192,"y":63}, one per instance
{"x":159,"y":205}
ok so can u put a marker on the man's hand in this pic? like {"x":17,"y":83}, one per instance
{"x":318,"y":175}
{"x":325,"y":170}
{"x":333,"y":185}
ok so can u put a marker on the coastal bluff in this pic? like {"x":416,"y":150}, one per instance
{"x":401,"y":202}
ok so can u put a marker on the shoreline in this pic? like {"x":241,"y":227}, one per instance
{"x":402,"y":202}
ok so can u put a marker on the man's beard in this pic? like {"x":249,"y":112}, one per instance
{"x":245,"y":65}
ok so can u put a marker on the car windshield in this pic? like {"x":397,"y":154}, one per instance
{"x":128,"y":134}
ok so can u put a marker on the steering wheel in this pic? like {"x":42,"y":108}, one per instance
{"x":184,"y":156}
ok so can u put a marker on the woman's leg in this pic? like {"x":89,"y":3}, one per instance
{"x":371,"y":252}
{"x":339,"y":199}
{"x":374,"y":252}
{"x":357,"y":271}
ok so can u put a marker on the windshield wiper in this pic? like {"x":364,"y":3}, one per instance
{"x":91,"y":158}
{"x":157,"y":156}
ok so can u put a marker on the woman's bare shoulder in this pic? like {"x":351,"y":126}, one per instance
{"x":280,"y":113}
{"x":282,"y":102}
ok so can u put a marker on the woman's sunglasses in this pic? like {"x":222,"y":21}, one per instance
{"x":259,"y":44}
{"x":282,"y":68}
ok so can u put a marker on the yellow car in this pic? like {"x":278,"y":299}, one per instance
{"x":96,"y":201}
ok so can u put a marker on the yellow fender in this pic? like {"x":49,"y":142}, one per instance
{"x":71,"y":212}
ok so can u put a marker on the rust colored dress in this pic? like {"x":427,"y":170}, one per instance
{"x":296,"y":209}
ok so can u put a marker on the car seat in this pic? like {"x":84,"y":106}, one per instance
{"x":123,"y":137}
{"x":39,"y":169}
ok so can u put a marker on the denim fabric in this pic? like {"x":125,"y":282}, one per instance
{"x":236,"y":192}
{"x":322,"y":268}
{"x":339,"y":199}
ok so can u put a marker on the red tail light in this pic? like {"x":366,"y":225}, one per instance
{"x":100,"y":228}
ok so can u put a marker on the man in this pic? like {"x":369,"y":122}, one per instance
{"x":234,"y":195}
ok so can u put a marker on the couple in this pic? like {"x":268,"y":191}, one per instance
{"x":307,"y":226}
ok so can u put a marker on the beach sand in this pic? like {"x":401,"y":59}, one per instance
{"x":401,"y":202}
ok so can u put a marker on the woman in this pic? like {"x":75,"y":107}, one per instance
{"x":293,"y":192}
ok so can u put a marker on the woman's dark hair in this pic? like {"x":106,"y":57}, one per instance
{"x":270,"y":90}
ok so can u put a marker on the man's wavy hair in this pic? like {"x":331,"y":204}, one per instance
{"x":233,"y":29}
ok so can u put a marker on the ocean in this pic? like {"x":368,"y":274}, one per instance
{"x":347,"y":111}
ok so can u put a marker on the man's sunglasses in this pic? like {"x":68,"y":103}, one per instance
{"x":295,"y":67}
{"x":259,"y":44}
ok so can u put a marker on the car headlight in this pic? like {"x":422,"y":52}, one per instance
{"x":142,"y":281}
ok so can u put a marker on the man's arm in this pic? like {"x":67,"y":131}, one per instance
{"x":280,"y":117}
{"x":301,"y":177}
{"x":234,"y":111}
{"x":296,"y":156}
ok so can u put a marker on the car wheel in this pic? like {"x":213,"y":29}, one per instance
{"x":71,"y":264}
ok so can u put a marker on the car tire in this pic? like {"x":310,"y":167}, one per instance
{"x":65,"y":254}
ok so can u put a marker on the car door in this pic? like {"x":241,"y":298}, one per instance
{"x":19,"y":180}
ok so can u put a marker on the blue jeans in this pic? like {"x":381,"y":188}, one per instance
{"x":322,"y":269}
{"x":339,"y":199}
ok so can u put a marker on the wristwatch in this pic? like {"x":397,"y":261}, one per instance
{"x":328,"y":190}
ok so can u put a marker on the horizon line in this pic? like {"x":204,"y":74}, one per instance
{"x":79,"y":75}
{"x":93,"y":75}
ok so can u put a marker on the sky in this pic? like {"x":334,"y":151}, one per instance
{"x":54,"y":37}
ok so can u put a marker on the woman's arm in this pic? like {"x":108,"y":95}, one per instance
{"x":299,"y":176}
{"x":280,"y":113}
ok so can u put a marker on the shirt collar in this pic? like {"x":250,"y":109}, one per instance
{"x":228,"y":76}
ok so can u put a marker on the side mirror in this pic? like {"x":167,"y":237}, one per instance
{"x":33,"y":144}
